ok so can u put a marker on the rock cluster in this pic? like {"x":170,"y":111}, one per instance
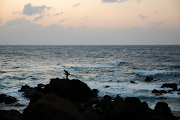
{"x":166,"y":85}
{"x":64,"y":99}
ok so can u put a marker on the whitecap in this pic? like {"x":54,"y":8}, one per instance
{"x":155,"y":72}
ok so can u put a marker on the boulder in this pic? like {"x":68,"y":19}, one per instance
{"x":105,"y":103}
{"x":170,"y":85}
{"x":159,"y":92}
{"x":7,"y":99}
{"x":132,"y":82}
{"x":164,"y":111}
{"x":51,"y":107}
{"x":120,"y":110}
{"x":95,"y":92}
{"x":10,"y":115}
{"x":74,"y":90}
{"x":24,"y":88}
{"x":148,"y":79}
{"x":107,"y":86}
{"x":29,"y":91}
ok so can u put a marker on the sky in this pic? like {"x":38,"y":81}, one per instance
{"x":89,"y":22}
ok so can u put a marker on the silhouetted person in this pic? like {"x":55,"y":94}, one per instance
{"x":66,"y":73}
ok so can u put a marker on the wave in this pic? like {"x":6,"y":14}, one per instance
{"x":175,"y":66}
{"x":125,"y":89}
{"x":107,"y":64}
{"x":156,"y":73}
{"x":96,"y":65}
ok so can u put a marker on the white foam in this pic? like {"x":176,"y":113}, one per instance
{"x":155,"y":72}
{"x":105,"y":64}
{"x":126,"y":89}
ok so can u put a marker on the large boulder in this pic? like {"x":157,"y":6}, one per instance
{"x":164,"y":111}
{"x":51,"y":107}
{"x":7,"y":99}
{"x":148,"y":79}
{"x":74,"y":90}
{"x":170,"y":85}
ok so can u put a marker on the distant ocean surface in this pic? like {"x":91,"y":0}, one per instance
{"x":97,"y":66}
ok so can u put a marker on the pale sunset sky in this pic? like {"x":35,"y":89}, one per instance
{"x":89,"y":22}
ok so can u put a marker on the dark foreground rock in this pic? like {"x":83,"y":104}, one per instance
{"x":64,"y":99}
{"x":73,"y":90}
{"x":10,"y":115}
{"x":52,"y":107}
{"x":7,"y":99}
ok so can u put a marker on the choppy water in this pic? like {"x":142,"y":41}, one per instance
{"x":98,"y":66}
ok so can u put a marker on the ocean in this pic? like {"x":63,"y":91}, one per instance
{"x":106,"y":68}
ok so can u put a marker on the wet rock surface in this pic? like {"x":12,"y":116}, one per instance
{"x":7,"y":99}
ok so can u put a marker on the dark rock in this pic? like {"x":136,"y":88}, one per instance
{"x":23,"y":88}
{"x":95,"y":92}
{"x":110,"y":81}
{"x":132,"y":82}
{"x":164,"y":111}
{"x":132,"y":100}
{"x":12,"y":112}
{"x":107,"y":86}
{"x":29,"y":92}
{"x":105,"y":103}
{"x":72,"y":99}
{"x":10,"y":115}
{"x":170,"y":85}
{"x":52,"y":107}
{"x":118,"y":81}
{"x":7,"y":99}
{"x":40,"y":85}
{"x":89,"y":114}
{"x":74,"y":90}
{"x":36,"y":96}
{"x":148,"y":79}
{"x":159,"y":92}
{"x":121,"y":110}
{"x":18,"y":105}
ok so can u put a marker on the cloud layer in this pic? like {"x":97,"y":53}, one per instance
{"x":32,"y":10}
{"x":28,"y":33}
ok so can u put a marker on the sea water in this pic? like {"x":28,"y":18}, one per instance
{"x":97,"y":66}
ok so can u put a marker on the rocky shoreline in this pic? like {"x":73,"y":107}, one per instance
{"x":64,"y":99}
